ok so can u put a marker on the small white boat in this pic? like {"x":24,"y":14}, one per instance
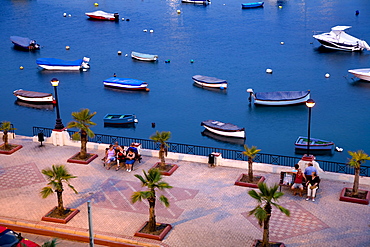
{"x":280,"y":98}
{"x":144,"y":57}
{"x":126,"y":83}
{"x":59,"y":64}
{"x":34,"y":97}
{"x":224,"y":129}
{"x":363,"y":74}
{"x":207,"y":81}
{"x":101,"y":15}
{"x":204,"y":2}
{"x":339,"y":40}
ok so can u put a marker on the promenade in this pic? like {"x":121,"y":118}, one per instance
{"x":206,"y":208}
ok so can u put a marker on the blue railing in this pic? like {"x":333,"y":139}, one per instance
{"x":273,"y":159}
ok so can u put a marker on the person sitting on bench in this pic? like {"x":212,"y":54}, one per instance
{"x":121,"y":158}
{"x":298,"y":182}
{"x":130,"y":159}
{"x":111,"y":156}
{"x":312,"y":186}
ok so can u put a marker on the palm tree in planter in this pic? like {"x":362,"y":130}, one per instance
{"x":161,"y":138}
{"x":152,"y":180}
{"x":357,"y":158}
{"x":263,"y":210}
{"x":249,"y":180}
{"x":57,"y":175}
{"x":82,"y":121}
{"x":7,"y":148}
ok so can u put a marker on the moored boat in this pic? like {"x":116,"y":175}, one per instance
{"x":34,"y":97}
{"x":315,"y":144}
{"x":24,"y":43}
{"x":59,"y":64}
{"x":104,"y":16}
{"x":126,"y":83}
{"x":144,"y":57}
{"x":337,"y":39}
{"x":207,"y":81}
{"x":204,"y":2}
{"x":252,"y":5}
{"x":280,"y":98}
{"x":224,"y":129}
{"x":120,"y":119}
{"x":363,"y":74}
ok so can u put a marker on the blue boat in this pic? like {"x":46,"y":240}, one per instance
{"x":24,"y":43}
{"x":120,"y":119}
{"x":59,"y":64}
{"x":126,"y":83}
{"x":252,"y":5}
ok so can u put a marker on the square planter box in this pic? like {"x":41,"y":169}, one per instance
{"x":246,"y":184}
{"x":58,"y":220}
{"x":161,"y":236}
{"x":365,"y":201}
{"x":85,"y":162}
{"x":16,"y":148}
{"x":169,"y":172}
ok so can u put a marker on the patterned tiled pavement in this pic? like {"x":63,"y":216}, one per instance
{"x":206,"y":209}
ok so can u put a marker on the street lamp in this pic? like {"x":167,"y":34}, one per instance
{"x":58,"y":124}
{"x":309,"y":103}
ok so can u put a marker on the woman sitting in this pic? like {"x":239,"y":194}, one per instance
{"x":312,"y":186}
{"x":121,"y":158}
{"x":110,"y":156}
{"x":130,"y":159}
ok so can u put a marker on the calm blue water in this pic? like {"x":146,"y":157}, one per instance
{"x":223,"y":40}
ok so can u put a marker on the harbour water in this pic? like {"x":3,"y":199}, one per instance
{"x":223,"y":40}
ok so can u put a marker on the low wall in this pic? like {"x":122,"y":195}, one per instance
{"x":202,"y":159}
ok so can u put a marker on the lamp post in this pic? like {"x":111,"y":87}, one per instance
{"x":309,"y":103}
{"x":58,"y":124}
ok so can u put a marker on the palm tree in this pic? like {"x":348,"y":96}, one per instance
{"x":251,"y":153}
{"x":263,"y":210}
{"x":56,"y":176}
{"x":162,"y":137}
{"x":51,"y":243}
{"x":82,"y":121}
{"x":151,"y":180}
{"x":6,"y":127}
{"x":357,"y":158}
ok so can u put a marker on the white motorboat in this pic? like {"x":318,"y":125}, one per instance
{"x":59,"y":64}
{"x":34,"y":97}
{"x":224,"y":129}
{"x":101,"y":15}
{"x":339,"y":40}
{"x":363,"y":74}
{"x":207,"y":81}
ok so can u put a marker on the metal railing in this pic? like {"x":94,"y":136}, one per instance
{"x":272,"y":159}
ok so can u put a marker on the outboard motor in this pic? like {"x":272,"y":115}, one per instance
{"x":116,"y":16}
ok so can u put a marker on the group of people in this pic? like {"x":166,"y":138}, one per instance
{"x":115,"y":153}
{"x":308,"y":178}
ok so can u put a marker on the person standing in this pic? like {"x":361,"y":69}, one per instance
{"x":312,"y":186}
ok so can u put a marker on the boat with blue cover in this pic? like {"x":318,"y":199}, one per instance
{"x":252,"y":5}
{"x":126,"y":83}
{"x":208,"y":81}
{"x":280,"y":98}
{"x":224,"y":129}
{"x":59,"y":64}
{"x":24,"y":43}
{"x":144,"y":57}
{"x":120,"y":119}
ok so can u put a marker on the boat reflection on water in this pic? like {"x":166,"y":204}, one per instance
{"x":39,"y":106}
{"x":233,"y":140}
{"x":127,"y":125}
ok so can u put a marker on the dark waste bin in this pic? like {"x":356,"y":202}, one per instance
{"x":211,"y":159}
{"x":40,"y":137}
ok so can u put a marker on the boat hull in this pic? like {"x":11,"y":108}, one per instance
{"x":103,"y":16}
{"x":112,"y":119}
{"x":211,"y":82}
{"x":68,"y":68}
{"x":205,"y":2}
{"x":339,"y":46}
{"x":34,"y":97}
{"x":315,"y":144}
{"x":363,"y":74}
{"x":293,"y":101}
{"x":144,"y":57}
{"x":252,"y":5}
{"x":23,"y":43}
{"x":59,"y":64}
{"x":223,"y":129}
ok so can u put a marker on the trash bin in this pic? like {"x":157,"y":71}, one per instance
{"x":40,"y":137}
{"x":217,"y":159}
{"x":211,"y":159}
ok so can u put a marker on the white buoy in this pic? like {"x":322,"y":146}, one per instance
{"x":67,"y":47}
{"x":145,"y":30}
{"x":327,"y":75}
{"x":119,"y":52}
{"x":123,"y":19}
{"x":151,"y":31}
{"x":69,"y":15}
{"x":64,"y":14}
{"x":126,"y":55}
{"x":269,"y":71}
{"x":178,"y":11}
{"x":281,"y":43}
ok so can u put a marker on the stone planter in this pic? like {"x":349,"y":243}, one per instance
{"x":159,"y":235}
{"x":15,"y":147}
{"x":64,"y":220}
{"x":74,"y":159}
{"x":240,"y":181}
{"x":258,"y":242}
{"x":345,"y":198}
{"x":171,"y":169}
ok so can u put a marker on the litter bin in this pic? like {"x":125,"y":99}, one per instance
{"x":217,"y":159}
{"x":211,"y":160}
{"x":40,"y":137}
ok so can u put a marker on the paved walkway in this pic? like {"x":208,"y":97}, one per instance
{"x":206,"y":209}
